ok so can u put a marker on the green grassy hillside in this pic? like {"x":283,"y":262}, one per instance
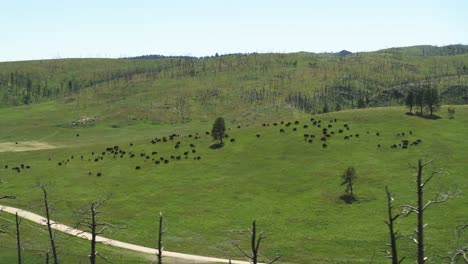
{"x":183,"y":88}
{"x":290,"y":185}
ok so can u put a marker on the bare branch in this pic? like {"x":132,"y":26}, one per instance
{"x":408,"y":209}
{"x":427,"y":163}
{"x":443,"y":198}
{"x":274,"y":260}
{"x":241,"y":250}
{"x":8,"y":197}
{"x":439,"y":172}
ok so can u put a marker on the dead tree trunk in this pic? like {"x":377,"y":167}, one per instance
{"x":420,"y":232}
{"x":160,"y":233}
{"x":420,"y":208}
{"x":90,"y":220}
{"x":18,"y":239}
{"x":92,"y":255}
{"x":255,"y":246}
{"x":391,"y":228}
{"x":49,"y":227}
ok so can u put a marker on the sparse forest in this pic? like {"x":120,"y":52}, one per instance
{"x":178,"y":88}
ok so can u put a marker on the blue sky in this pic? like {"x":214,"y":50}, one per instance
{"x":45,"y":29}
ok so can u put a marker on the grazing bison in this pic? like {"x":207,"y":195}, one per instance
{"x":137,"y":167}
{"x":232,"y":140}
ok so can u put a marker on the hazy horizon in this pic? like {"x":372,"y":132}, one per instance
{"x":53,"y":29}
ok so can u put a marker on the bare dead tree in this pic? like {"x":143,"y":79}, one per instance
{"x":391,"y":228}
{"x":18,"y":239}
{"x":256,"y":239}
{"x":49,"y":226}
{"x":421,"y":207}
{"x":160,"y":233}
{"x":90,"y":220}
{"x":461,"y":252}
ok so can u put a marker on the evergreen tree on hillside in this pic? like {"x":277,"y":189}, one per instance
{"x":348,"y":177}
{"x":431,"y":100}
{"x":219,"y":129}
{"x":410,"y":101}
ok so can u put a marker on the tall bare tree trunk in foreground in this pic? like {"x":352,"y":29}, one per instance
{"x":49,"y":226}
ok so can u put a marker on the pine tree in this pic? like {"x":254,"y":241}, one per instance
{"x":219,"y":129}
{"x":349,"y":176}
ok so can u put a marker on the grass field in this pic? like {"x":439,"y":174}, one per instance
{"x":292,"y":187}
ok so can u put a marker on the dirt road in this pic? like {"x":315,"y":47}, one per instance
{"x":85,"y":235}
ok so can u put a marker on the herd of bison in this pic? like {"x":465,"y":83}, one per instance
{"x":186,"y":146}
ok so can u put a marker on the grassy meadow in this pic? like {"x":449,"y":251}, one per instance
{"x":288,"y":181}
{"x":290,"y":186}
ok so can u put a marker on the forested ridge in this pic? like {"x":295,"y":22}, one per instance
{"x":313,"y":83}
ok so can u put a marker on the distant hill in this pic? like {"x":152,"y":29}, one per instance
{"x":427,"y":50}
{"x":344,"y":53}
{"x":157,"y":56}
{"x":243,"y":86}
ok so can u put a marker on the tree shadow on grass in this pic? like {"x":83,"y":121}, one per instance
{"x":348,"y":198}
{"x":217,"y":146}
{"x":418,"y":114}
{"x":431,"y":117}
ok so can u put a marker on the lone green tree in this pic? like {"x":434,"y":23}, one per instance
{"x":431,"y":100}
{"x":219,"y":129}
{"x":348,"y":177}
